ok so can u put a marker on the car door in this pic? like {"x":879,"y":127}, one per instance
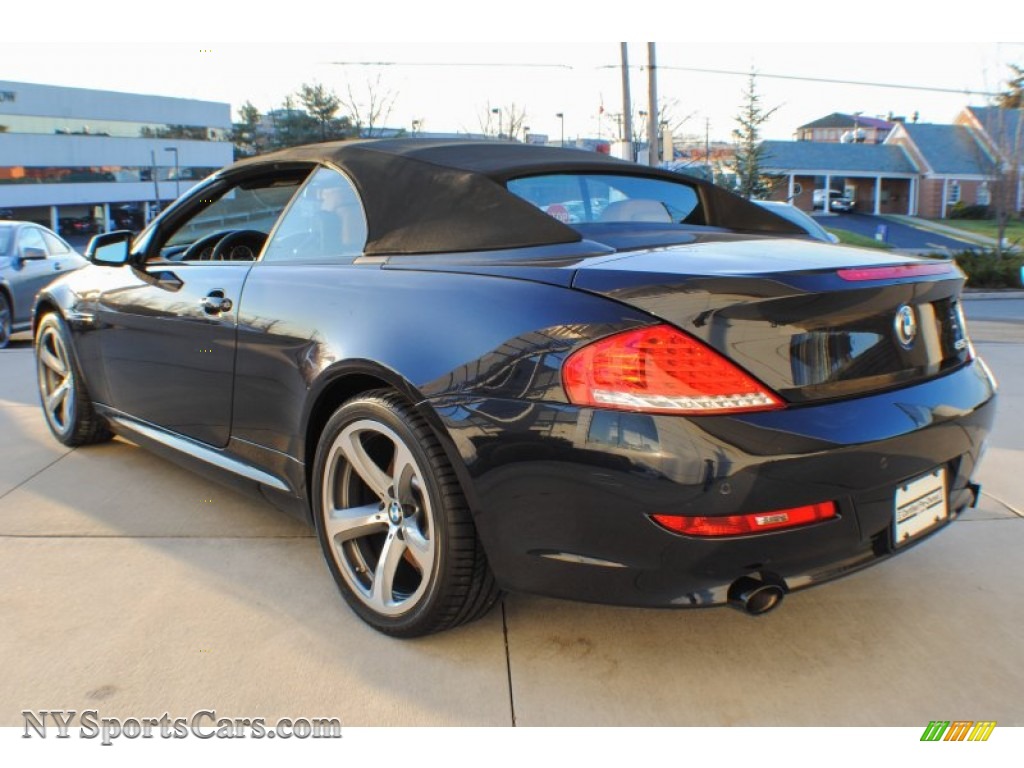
{"x":31,"y":270}
{"x":168,"y":322}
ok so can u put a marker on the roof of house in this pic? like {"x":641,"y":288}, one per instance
{"x":950,"y":149}
{"x":1001,"y":125}
{"x":838,"y":158}
{"x":842,"y":120}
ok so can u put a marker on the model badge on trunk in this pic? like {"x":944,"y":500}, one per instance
{"x":906,"y":326}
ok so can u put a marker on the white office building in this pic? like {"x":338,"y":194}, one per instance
{"x":72,"y":158}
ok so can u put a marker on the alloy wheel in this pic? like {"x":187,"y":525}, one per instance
{"x":56,"y":379}
{"x":5,"y":321}
{"x":378,"y":518}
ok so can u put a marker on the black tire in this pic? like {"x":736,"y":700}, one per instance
{"x":6,"y":320}
{"x":393,"y":523}
{"x":66,"y":404}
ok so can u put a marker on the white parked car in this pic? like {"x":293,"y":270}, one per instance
{"x":798,"y":217}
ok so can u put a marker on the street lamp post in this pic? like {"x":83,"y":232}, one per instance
{"x":561,"y":117}
{"x":640,"y":134}
{"x":497,"y":111}
{"x":177,"y":171}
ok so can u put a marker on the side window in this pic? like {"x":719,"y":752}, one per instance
{"x":56,"y":246}
{"x":230,"y":224}
{"x":31,"y":238}
{"x":324,"y":223}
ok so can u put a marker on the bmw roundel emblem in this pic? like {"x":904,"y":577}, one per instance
{"x":906,"y":326}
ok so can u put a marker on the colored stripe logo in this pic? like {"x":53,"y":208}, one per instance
{"x":958,"y":730}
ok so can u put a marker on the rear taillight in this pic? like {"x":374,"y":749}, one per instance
{"x":741,"y":525}
{"x":865,"y":274}
{"x":661,"y":370}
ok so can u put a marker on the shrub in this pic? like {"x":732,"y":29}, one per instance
{"x":985,"y":269}
{"x":961,"y":211}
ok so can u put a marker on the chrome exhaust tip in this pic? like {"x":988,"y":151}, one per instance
{"x":757,"y":596}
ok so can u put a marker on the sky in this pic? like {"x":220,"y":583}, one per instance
{"x":452,"y":86}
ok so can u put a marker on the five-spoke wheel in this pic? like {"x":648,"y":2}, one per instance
{"x":393,"y":523}
{"x":66,"y":404}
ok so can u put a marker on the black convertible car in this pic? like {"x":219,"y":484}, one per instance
{"x":479,"y":366}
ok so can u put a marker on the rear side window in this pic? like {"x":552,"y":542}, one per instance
{"x":325,"y":222}
{"x":610,"y":199}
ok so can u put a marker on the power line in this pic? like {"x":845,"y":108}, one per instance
{"x":447,"y":64}
{"x":702,"y":70}
{"x":833,"y":81}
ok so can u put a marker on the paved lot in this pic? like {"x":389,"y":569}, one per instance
{"x":899,"y":235}
{"x":135,"y":588}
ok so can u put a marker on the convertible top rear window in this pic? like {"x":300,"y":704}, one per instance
{"x":597,"y":198}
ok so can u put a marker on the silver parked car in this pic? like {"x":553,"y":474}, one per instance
{"x":793,"y":214}
{"x":31,"y":257}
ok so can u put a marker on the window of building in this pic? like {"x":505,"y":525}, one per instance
{"x":69,"y":126}
{"x":984,"y":194}
{"x":25,"y":174}
{"x":953,"y":194}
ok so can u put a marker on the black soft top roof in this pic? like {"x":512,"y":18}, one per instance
{"x":429,"y":196}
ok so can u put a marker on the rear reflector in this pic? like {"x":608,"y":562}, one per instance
{"x":895,"y":272}
{"x":740,"y":525}
{"x":661,"y":370}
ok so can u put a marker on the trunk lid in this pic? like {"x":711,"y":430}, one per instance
{"x":811,"y":321}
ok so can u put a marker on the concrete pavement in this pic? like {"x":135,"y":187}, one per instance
{"x":133,"y":587}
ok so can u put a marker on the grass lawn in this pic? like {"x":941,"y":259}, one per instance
{"x":1014,"y":230}
{"x":851,"y":238}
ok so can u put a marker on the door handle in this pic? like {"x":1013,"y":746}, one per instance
{"x":215,"y":302}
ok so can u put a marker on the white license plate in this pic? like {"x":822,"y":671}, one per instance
{"x":920,"y":505}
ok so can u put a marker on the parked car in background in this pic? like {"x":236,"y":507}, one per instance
{"x":675,"y":400}
{"x":800,"y":218}
{"x":838,"y":201}
{"x":31,"y":256}
{"x":77,"y":225}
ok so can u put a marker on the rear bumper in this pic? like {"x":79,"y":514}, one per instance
{"x":562,"y":496}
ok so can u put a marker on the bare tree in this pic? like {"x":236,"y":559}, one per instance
{"x":503,"y":122}
{"x":371,"y":110}
{"x":1007,"y":132}
{"x":672,"y":115}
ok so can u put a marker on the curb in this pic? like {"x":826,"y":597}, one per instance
{"x":1010,"y":293}
{"x":942,"y":229}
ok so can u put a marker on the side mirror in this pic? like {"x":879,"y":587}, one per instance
{"x":32,"y":254}
{"x":110,"y":249}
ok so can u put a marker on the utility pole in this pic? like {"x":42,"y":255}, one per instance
{"x":652,"y":111}
{"x":707,"y":148}
{"x":156,"y":186}
{"x":627,"y":104}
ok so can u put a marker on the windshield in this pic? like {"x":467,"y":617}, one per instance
{"x":6,"y":238}
{"x":575,"y":198}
